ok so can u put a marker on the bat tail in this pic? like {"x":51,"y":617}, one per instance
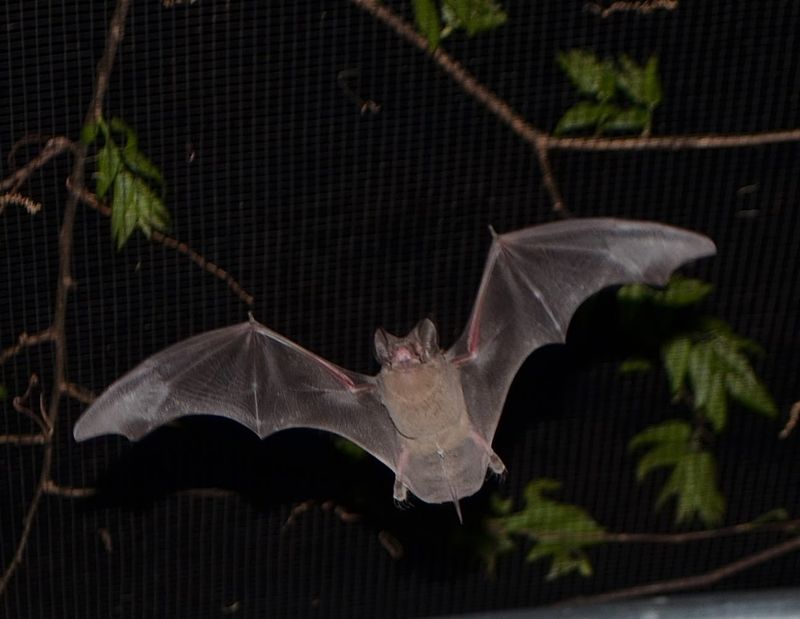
{"x":452,"y":490}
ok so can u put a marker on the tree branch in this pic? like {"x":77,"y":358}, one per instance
{"x":90,"y":198}
{"x":57,"y":331}
{"x":687,"y":583}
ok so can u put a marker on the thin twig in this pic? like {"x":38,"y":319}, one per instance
{"x":643,"y":7}
{"x":794,"y":415}
{"x":90,"y":198}
{"x":674,"y":142}
{"x":666,"y":538}
{"x":687,"y":583}
{"x":24,"y":341}
{"x":535,"y":137}
{"x":542,"y":141}
{"x":115,"y":33}
{"x":77,"y":392}
{"x":52,"y":148}
{"x":51,"y":487}
{"x":29,"y":204}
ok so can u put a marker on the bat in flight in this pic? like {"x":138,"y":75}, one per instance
{"x":429,"y":414}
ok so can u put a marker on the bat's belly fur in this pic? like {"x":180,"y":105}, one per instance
{"x":442,"y":457}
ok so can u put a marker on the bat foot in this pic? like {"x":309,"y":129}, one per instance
{"x":496,"y":465}
{"x":400,"y":492}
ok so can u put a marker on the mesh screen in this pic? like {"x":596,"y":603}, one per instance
{"x":337,"y":221}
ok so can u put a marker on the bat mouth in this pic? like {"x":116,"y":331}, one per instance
{"x":404,"y":357}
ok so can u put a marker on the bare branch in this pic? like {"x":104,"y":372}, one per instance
{"x":643,"y":7}
{"x":52,"y":148}
{"x":77,"y":392}
{"x":24,"y":341}
{"x":687,"y":583}
{"x":57,"y":331}
{"x":674,"y":142}
{"x":89,"y":198}
{"x":794,"y":414}
{"x":51,"y":487}
{"x":29,"y":204}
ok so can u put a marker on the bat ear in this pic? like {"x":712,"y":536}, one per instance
{"x":427,"y":335}
{"x":383,"y":345}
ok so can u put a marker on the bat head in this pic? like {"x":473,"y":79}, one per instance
{"x":418,"y":347}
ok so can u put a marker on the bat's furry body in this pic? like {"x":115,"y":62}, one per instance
{"x":429,"y":415}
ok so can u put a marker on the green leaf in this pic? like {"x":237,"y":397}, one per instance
{"x":665,"y":454}
{"x":89,"y":133}
{"x":779,"y":514}
{"x":426,"y":17}
{"x":584,"y":115}
{"x":667,"y":432}
{"x":683,"y":291}
{"x":349,"y":448}
{"x":3,"y":392}
{"x":675,"y":355}
{"x":635,"y":365}
{"x":559,"y":531}
{"x":693,"y":482}
{"x":134,"y":205}
{"x":626,"y":120}
{"x":652,"y":93}
{"x":588,"y":74}
{"x":716,"y":407}
{"x":139,"y":164}
{"x":474,"y":16}
{"x":109,"y":163}
{"x":703,"y":366}
{"x":752,"y":394}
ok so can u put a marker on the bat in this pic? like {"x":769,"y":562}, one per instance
{"x":429,"y":414}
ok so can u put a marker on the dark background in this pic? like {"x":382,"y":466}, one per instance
{"x":339,"y":222}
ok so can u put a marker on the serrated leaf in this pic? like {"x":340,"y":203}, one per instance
{"x":752,"y":394}
{"x":665,"y":454}
{"x":474,"y":16}
{"x":584,"y":115}
{"x":118,"y":125}
{"x":89,"y":132}
{"x":109,"y":163}
{"x":626,"y":120}
{"x":693,"y":482}
{"x":716,"y":407}
{"x":135,"y":206}
{"x":635,"y":365}
{"x":675,"y":355}
{"x":426,"y":16}
{"x":350,"y":449}
{"x":671,"y":431}
{"x":778,"y":514}
{"x":588,"y":74}
{"x":630,"y":79}
{"x":138,"y":163}
{"x":684,"y":291}
{"x":559,"y":531}
{"x":652,"y":91}
{"x":703,"y":366}
{"x":635,"y":293}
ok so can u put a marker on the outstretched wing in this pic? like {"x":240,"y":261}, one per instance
{"x":536,"y":278}
{"x":252,"y":375}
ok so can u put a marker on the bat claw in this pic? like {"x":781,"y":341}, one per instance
{"x":496,"y":465}
{"x":400,"y":491}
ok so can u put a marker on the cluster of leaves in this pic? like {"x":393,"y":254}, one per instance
{"x":708,"y":369}
{"x":558,"y":531}
{"x":135,"y":183}
{"x":622,"y":95}
{"x":438,"y":19}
